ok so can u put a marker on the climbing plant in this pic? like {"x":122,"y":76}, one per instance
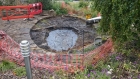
{"x":120,"y":20}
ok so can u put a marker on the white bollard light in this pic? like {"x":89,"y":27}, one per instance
{"x":25,"y":50}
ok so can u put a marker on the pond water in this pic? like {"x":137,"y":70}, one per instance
{"x":61,"y":39}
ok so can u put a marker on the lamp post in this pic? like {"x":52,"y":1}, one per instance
{"x":25,"y":50}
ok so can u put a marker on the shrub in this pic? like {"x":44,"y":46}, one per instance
{"x":6,"y":65}
{"x":90,"y":48}
{"x":83,"y":4}
{"x":47,"y":4}
{"x":67,"y":2}
{"x":1,"y":3}
{"x":120,"y":21}
{"x":92,"y":75}
{"x":59,"y":10}
{"x":62,"y":11}
{"x":20,"y":71}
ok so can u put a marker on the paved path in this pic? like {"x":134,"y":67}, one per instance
{"x":19,"y":29}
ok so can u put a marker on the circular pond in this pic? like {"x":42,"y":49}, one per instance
{"x":62,"y":33}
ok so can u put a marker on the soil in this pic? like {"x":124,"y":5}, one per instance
{"x":42,"y":28}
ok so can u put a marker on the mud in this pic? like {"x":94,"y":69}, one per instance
{"x":61,"y":39}
{"x":43,"y":28}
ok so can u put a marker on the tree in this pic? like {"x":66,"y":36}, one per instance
{"x":121,"y":20}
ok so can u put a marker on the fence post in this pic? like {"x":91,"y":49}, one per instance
{"x":25,"y":50}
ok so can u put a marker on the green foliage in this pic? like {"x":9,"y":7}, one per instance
{"x":20,"y":71}
{"x":123,"y":67}
{"x":62,"y":11}
{"x":8,"y":2}
{"x":74,"y":5}
{"x":81,"y":75}
{"x":83,"y":4}
{"x":92,"y":12}
{"x":31,"y":1}
{"x":100,"y":75}
{"x":61,"y":74}
{"x":1,"y":3}
{"x":87,"y":8}
{"x":6,"y":65}
{"x":100,"y":66}
{"x":47,"y":4}
{"x":94,"y":74}
{"x":58,"y":9}
{"x":120,"y":19}
{"x":67,"y":1}
{"x":90,"y":48}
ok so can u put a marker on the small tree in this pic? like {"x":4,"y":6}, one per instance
{"x":120,"y":19}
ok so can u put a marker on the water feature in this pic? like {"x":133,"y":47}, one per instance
{"x":62,"y":34}
{"x":61,"y":39}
